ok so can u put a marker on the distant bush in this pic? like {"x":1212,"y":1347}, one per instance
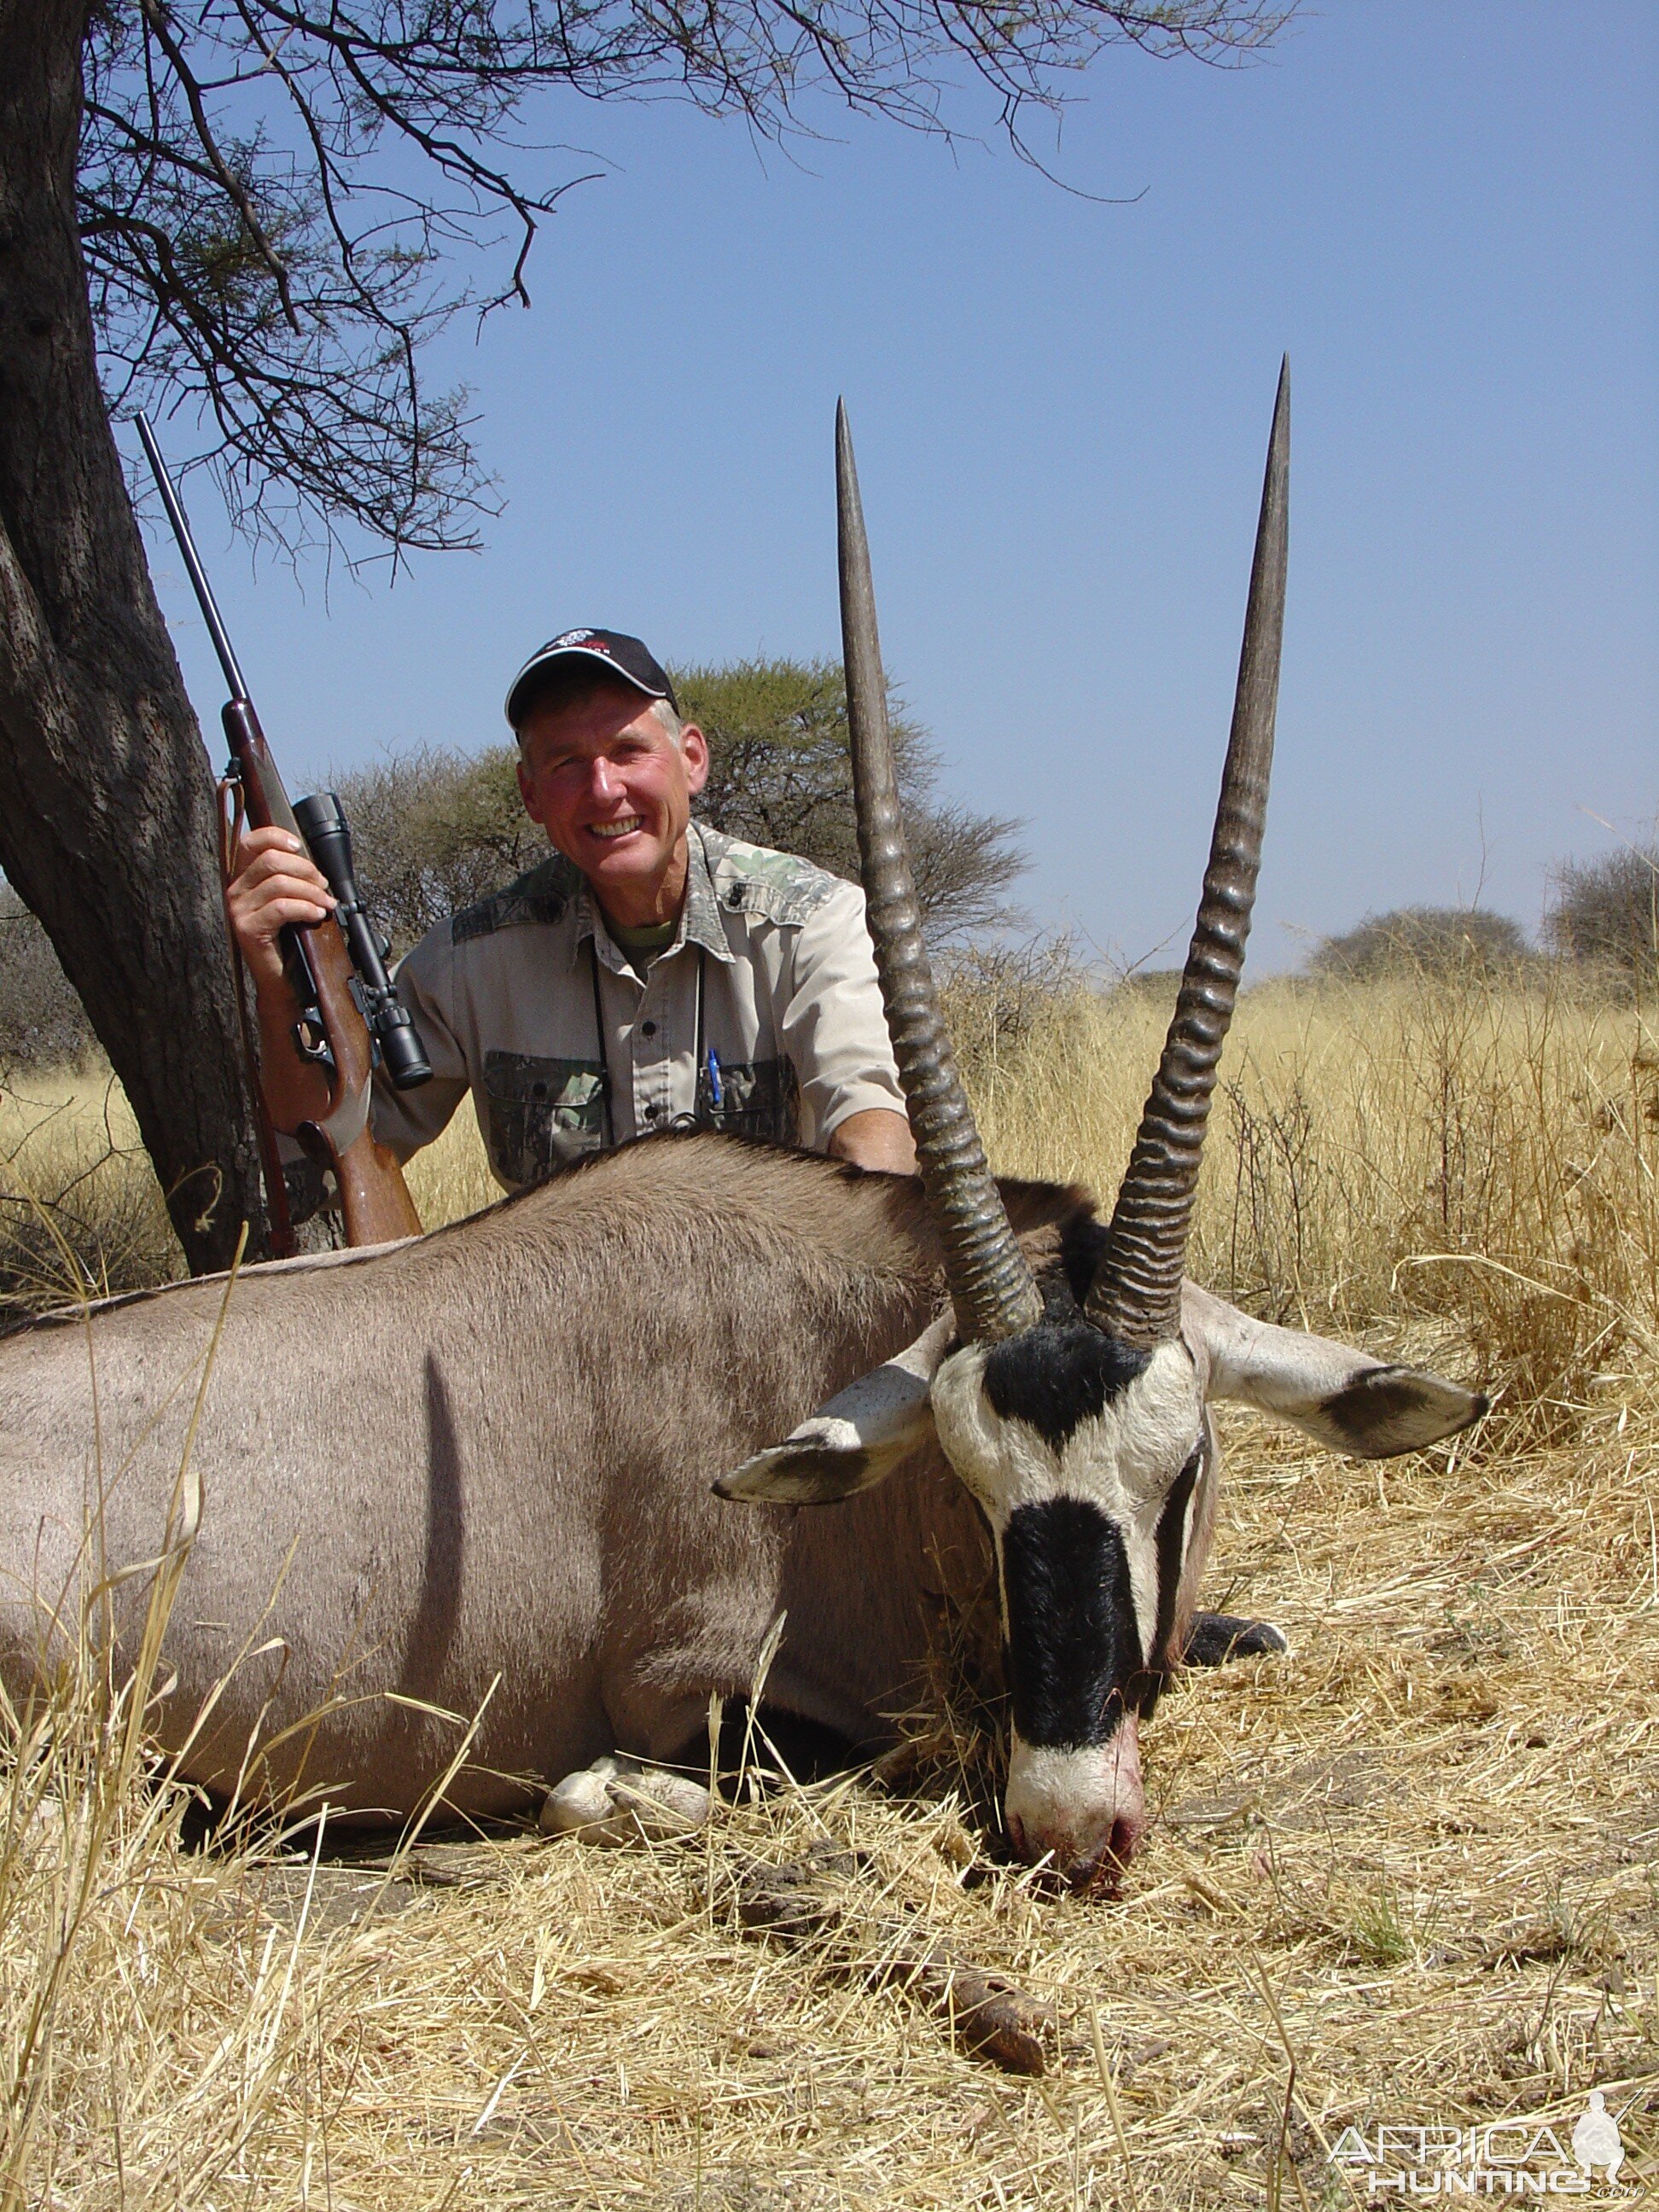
{"x":432,"y":830}
{"x":1605,"y":913}
{"x":995,"y":996}
{"x":1424,"y":940}
{"x":42,"y":1022}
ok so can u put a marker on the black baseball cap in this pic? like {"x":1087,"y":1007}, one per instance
{"x":610,"y":650}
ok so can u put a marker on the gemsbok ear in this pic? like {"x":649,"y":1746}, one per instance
{"x":1346,"y":1398}
{"x":855,"y":1439}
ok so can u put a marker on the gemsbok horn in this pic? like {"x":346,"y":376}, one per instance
{"x":992,"y":1288}
{"x":1136,"y":1293}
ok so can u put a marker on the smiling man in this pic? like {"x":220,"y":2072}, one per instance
{"x":651,"y":974}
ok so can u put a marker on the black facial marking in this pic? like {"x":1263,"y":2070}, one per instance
{"x":1071,"y":1635}
{"x":1063,"y":1371}
{"x":1170,"y":1551}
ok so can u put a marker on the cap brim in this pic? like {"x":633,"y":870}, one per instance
{"x":544,"y":661}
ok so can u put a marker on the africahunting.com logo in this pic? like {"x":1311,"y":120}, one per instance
{"x":1505,"y":2158}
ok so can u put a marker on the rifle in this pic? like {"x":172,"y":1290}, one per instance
{"x":350,"y":1013}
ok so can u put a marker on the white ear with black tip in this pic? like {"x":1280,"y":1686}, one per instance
{"x":855,"y":1439}
{"x":1346,"y":1398}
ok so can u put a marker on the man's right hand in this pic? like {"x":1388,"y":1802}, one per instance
{"x":276,"y":883}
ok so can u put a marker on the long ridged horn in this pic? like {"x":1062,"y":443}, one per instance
{"x":992,"y":1288}
{"x":1136,"y":1291}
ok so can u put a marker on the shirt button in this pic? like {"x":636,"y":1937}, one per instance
{"x":652,"y":1112}
{"x":647,"y":1029}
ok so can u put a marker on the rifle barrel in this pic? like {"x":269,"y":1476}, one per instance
{"x":205,"y":599}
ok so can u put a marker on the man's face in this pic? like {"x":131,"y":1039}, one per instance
{"x":613,"y":791}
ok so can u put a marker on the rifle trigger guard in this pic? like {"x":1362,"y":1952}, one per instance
{"x":311,"y":1040}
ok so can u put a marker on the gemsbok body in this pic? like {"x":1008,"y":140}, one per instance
{"x":473,"y":1475}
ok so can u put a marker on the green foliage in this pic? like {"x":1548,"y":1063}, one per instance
{"x":779,"y":774}
{"x":1376,"y":1932}
{"x":1424,"y":940}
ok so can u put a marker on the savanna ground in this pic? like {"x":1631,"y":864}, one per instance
{"x":1409,"y":1875}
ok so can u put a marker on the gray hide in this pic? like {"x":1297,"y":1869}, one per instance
{"x":490,"y":1451}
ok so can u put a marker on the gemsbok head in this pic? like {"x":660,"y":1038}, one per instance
{"x":1075,"y":1409}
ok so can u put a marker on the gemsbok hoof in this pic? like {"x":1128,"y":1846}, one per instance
{"x":1216,"y":1638}
{"x":619,"y":1801}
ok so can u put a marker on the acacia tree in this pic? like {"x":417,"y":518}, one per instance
{"x":258,"y":211}
{"x":434,"y":829}
{"x":780,"y":773}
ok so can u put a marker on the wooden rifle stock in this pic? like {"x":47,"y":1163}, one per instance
{"x":374,"y":1200}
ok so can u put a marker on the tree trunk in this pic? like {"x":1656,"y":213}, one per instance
{"x":106,"y":798}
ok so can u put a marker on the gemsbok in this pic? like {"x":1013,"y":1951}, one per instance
{"x":468,"y":1476}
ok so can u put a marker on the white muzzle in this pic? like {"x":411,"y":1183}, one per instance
{"x":1084,"y":1809}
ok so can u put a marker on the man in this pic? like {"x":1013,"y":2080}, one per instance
{"x":651,"y":975}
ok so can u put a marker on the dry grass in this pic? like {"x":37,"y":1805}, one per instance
{"x":1468,"y":1168}
{"x":1408,"y":1875}
{"x":81,"y":1213}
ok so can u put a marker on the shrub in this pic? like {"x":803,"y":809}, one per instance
{"x":42,"y":1022}
{"x":432,"y":830}
{"x":1424,"y":940}
{"x":779,"y":774}
{"x":1605,"y":913}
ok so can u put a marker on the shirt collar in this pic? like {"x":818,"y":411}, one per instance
{"x":699,"y":914}
{"x":700,"y":917}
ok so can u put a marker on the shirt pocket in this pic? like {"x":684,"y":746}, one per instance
{"x":544,"y":1114}
{"x":758,"y":1098}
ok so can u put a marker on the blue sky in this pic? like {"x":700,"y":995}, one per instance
{"x":1448,"y":213}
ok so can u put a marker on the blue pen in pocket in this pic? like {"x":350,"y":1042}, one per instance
{"x":716,"y":1093}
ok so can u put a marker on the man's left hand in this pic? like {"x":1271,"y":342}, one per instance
{"x":875,"y":1139}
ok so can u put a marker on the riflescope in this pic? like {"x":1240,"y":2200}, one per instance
{"x":322,"y":826}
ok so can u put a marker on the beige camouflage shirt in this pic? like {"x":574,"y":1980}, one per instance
{"x":763,"y":1015}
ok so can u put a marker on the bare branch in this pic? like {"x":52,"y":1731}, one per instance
{"x":283,"y":201}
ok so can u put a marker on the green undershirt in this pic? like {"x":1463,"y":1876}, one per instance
{"x":643,"y":946}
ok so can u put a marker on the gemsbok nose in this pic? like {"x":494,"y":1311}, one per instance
{"x":1083,"y":1811}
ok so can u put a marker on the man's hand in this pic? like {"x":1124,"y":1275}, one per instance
{"x":876,"y":1138}
{"x":276,"y":883}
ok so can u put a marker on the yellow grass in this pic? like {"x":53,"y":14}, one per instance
{"x":1408,"y":1875}
{"x":451,"y":1178}
{"x":79,"y":1211}
{"x":1440,"y":1161}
